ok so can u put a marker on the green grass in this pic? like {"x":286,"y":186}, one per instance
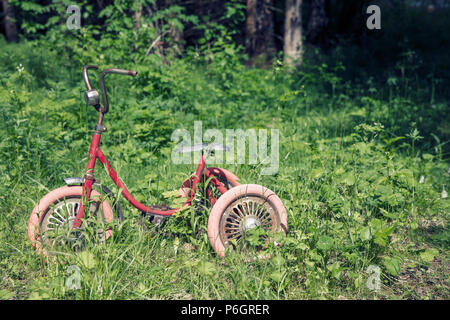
{"x":351,"y":162}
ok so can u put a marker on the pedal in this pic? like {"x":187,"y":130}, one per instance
{"x":157,"y":220}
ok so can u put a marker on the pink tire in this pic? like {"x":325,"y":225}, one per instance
{"x":42,"y":212}
{"x":242,"y":208}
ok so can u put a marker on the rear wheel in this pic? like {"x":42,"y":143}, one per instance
{"x":239,"y":212}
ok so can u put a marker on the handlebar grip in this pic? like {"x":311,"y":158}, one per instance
{"x":86,"y":77}
{"x":120,"y":71}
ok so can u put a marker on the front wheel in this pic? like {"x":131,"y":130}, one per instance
{"x":241,"y":209}
{"x":50,"y":222}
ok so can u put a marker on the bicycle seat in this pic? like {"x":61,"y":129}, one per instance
{"x":203,"y":147}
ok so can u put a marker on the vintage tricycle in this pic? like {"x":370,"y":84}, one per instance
{"x":236,"y":208}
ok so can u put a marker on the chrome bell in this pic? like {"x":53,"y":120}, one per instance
{"x":91,"y":97}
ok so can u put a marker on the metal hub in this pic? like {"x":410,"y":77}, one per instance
{"x":248,"y":223}
{"x":245,"y":214}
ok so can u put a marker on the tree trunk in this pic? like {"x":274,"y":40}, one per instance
{"x":137,"y":17}
{"x":293,"y":48}
{"x":318,"y":20}
{"x":259,"y":28}
{"x":176,"y":34}
{"x":9,"y":21}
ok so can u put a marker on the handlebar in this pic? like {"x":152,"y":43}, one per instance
{"x":102,"y":81}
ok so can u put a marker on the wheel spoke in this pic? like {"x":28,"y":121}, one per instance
{"x":57,"y":224}
{"x":60,"y":216}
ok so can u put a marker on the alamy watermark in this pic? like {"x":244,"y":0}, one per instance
{"x":233,"y":142}
{"x":374,"y":20}
{"x":373,"y":282}
{"x":73,"y":282}
{"x":73,"y":22}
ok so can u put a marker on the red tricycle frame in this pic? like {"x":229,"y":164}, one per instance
{"x":238,"y":209}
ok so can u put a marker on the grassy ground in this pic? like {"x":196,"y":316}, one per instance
{"x":363,"y":176}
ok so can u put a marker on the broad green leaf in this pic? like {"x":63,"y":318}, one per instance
{"x":325,"y":243}
{"x":387,"y":214}
{"x":38,"y":295}
{"x":315,"y":256}
{"x":309,"y":263}
{"x":317,"y":173}
{"x":335,"y":269}
{"x":278,"y":260}
{"x":348,"y":179}
{"x":365,"y":234}
{"x":277,"y":276}
{"x":206,"y":268}
{"x":381,"y":236}
{"x":87,"y":259}
{"x":171,"y":194}
{"x":428,"y":255}
{"x":393,"y":264}
{"x":358,"y":282}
